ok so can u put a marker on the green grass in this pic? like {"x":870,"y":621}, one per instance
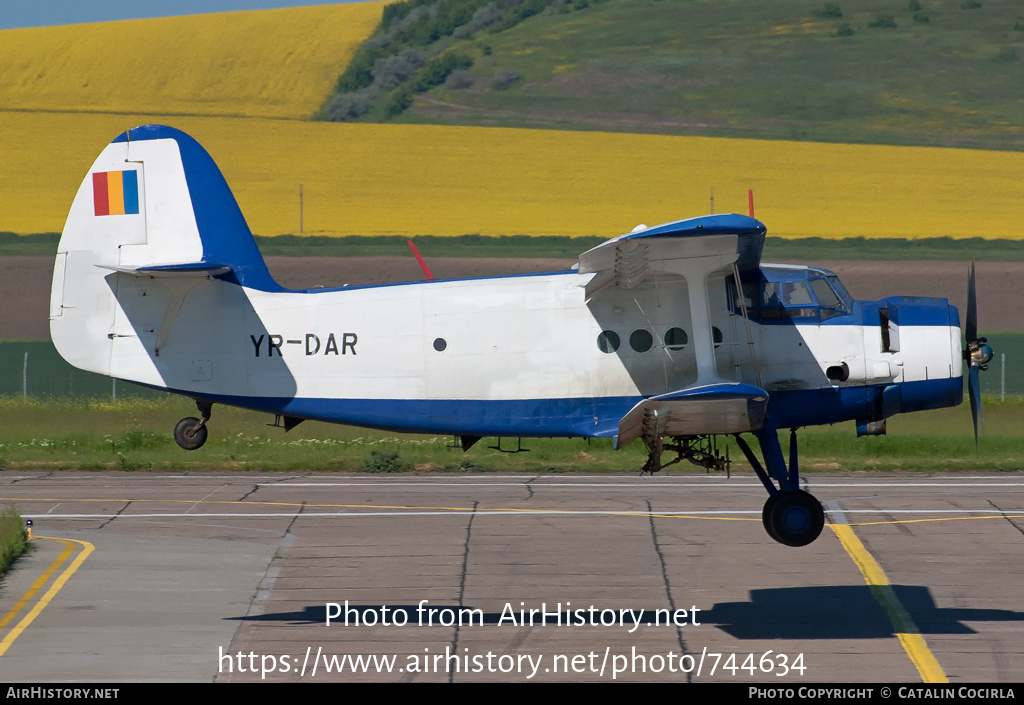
{"x":748,"y":68}
{"x":13,"y":538}
{"x":135,"y":435}
{"x":802,"y":249}
{"x":50,"y":376}
{"x":933,"y":440}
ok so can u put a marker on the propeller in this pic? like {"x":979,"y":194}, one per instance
{"x":978,"y":354}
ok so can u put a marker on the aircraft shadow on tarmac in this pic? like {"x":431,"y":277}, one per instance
{"x":833,"y":612}
{"x":841,"y":612}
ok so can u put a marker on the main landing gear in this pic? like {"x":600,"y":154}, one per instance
{"x":191,"y":433}
{"x":791,"y":516}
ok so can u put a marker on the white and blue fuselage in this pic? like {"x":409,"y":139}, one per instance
{"x":525,"y":355}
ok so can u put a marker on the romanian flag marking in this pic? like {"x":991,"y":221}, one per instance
{"x":115,"y":192}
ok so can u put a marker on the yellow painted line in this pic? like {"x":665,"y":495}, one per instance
{"x":907,"y":632}
{"x":58,"y":584}
{"x":920,"y":521}
{"x":12,"y":613}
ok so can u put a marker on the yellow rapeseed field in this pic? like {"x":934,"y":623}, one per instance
{"x":269,"y":63}
{"x":415,"y":179}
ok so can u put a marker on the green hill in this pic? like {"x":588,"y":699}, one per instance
{"x":922,"y":72}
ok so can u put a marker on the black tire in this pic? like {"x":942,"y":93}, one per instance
{"x":766,"y":515}
{"x":796,"y":519}
{"x":189,"y":434}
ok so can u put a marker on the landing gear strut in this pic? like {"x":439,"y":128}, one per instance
{"x":791,"y":516}
{"x":191,"y":433}
{"x":699,"y":450}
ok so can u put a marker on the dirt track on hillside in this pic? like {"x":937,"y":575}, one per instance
{"x":25,"y":287}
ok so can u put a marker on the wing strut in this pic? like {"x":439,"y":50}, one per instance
{"x":746,"y":325}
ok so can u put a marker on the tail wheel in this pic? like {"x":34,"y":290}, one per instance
{"x":190,"y":433}
{"x":793,"y":518}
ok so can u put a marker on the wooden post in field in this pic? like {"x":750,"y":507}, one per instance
{"x":24,"y":378}
{"x":301,"y":214}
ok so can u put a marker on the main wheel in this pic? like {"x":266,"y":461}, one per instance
{"x":796,"y":519}
{"x":189,"y":434}
{"x":766,"y":516}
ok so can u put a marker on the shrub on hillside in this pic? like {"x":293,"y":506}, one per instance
{"x":349,"y":106}
{"x":398,"y":101}
{"x":830,"y":11}
{"x":504,"y":79}
{"x":458,"y":80}
{"x":437,"y":69}
{"x":392,"y":71}
{"x":483,"y":18}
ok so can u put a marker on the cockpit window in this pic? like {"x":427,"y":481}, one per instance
{"x":795,"y":292}
{"x":777,"y":294}
{"x":826,"y":297}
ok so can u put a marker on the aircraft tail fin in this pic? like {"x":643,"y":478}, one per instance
{"x":154,"y":206}
{"x":155,"y":198}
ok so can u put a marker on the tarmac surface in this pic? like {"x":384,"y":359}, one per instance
{"x":227,"y":578}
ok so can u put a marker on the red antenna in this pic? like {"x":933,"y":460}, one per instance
{"x":423,"y":265}
{"x":750,"y":202}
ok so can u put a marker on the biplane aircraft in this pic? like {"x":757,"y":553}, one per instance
{"x":674,"y":334}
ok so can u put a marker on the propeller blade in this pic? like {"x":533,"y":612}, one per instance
{"x":974,"y":391}
{"x":971,"y":329}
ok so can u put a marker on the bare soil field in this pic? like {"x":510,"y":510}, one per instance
{"x":25,"y":282}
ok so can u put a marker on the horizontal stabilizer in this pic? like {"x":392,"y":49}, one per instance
{"x":711,"y":409}
{"x":185,"y":269}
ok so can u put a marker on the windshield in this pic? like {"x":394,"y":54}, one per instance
{"x":780,"y":291}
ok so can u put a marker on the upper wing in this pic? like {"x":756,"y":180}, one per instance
{"x":629,"y":260}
